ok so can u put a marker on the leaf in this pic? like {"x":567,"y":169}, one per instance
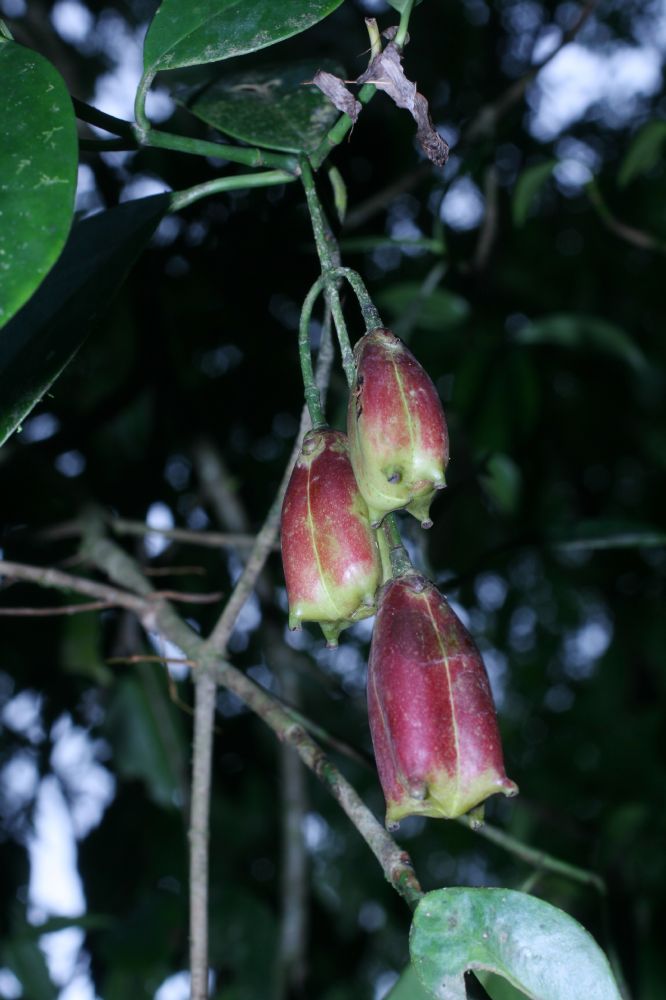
{"x":408,"y":987}
{"x":502,"y":482}
{"x":582,"y":332}
{"x":527,"y":188}
{"x":386,"y":73}
{"x":435,"y":312}
{"x":272,"y":106}
{"x":26,"y":960}
{"x":146,"y":736}
{"x":38,"y":170}
{"x":644,"y":152}
{"x":43,"y":337}
{"x":188,"y":34}
{"x":605,"y":534}
{"x":534,"y":945}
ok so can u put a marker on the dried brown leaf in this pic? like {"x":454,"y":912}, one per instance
{"x":333,"y":88}
{"x":386,"y":73}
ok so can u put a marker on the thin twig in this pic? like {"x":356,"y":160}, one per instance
{"x":207,"y":539}
{"x":489,"y":227}
{"x":292,"y":946}
{"x":180,"y":597}
{"x":539,"y":859}
{"x":58,"y":580}
{"x":202,"y":756}
{"x":395,"y":862}
{"x":636,"y":237}
{"x":487,"y":118}
{"x":63,"y":609}
{"x":147,"y":658}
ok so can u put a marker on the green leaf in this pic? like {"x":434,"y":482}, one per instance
{"x":582,"y":332}
{"x":26,"y":960}
{"x":271,"y":107}
{"x":38,"y":169}
{"x":535,"y":946}
{"x":644,"y":152}
{"x":145,"y":733}
{"x":408,"y":987}
{"x":43,"y":337}
{"x":435,"y":312}
{"x":502,"y":482}
{"x":527,"y":188}
{"x":188,"y":34}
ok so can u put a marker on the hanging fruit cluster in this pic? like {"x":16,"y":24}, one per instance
{"x":431,"y":712}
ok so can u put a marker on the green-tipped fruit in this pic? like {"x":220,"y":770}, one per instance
{"x":432,"y":718}
{"x":329,"y":552}
{"x":398,"y":439}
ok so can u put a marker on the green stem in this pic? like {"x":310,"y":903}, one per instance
{"x":371,"y":317}
{"x":539,"y":859}
{"x":337,"y":133}
{"x":142,"y":122}
{"x":401,"y":36}
{"x":247,"y":155}
{"x":346,"y":352}
{"x":181,"y":199}
{"x":400,"y":561}
{"x":87,"y":113}
{"x":311,"y":390}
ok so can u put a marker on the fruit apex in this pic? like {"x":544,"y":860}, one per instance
{"x":432,"y":717}
{"x":329,"y":552}
{"x":398,"y":439}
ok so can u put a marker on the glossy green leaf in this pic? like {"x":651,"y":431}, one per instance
{"x":42,"y":338}
{"x":273,"y":107}
{"x":644,"y":152}
{"x":188,"y":34}
{"x":527,"y":188}
{"x":38,"y":170}
{"x":535,"y":946}
{"x":437,"y":311}
{"x":582,"y":332}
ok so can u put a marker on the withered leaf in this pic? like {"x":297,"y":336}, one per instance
{"x":386,"y":73}
{"x":337,"y":93}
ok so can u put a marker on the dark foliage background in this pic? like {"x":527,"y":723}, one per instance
{"x":558,"y":434}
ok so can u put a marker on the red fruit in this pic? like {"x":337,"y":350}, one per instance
{"x":329,"y":552}
{"x":432,"y":718}
{"x":398,"y":439}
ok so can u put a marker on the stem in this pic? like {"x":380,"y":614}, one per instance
{"x":401,"y":36}
{"x":142,"y":122}
{"x":181,"y":199}
{"x":207,"y":539}
{"x":202,"y":754}
{"x":337,"y":133}
{"x":395,"y":862}
{"x":290,"y":965}
{"x":87,"y":113}
{"x":539,"y":859}
{"x":346,"y":351}
{"x":371,"y":316}
{"x":400,"y":561}
{"x":247,"y":155}
{"x":311,"y":390}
